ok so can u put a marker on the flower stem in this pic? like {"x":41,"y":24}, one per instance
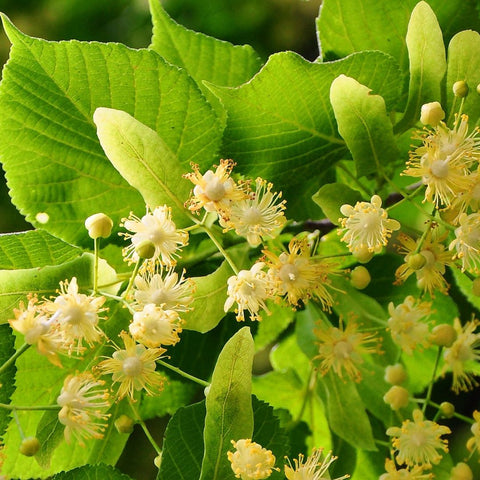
{"x":7,"y":406}
{"x":14,"y":357}
{"x":430,"y":386}
{"x":95,"y":265}
{"x":214,"y":239}
{"x":132,"y":278}
{"x":201,"y":382}
{"x":145,"y":429}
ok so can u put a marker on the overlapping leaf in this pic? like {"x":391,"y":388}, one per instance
{"x":281,"y":125}
{"x":53,"y":160}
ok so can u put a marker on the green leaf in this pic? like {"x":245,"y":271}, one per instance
{"x":52,"y":157}
{"x":345,"y":411}
{"x":342,"y":24}
{"x":15,"y":285}
{"x":281,"y":127}
{"x":203,"y":57}
{"x":209,"y":299}
{"x":35,"y":248}
{"x":427,"y":61}
{"x":229,"y":405}
{"x":272,"y":325}
{"x":464,"y":64}
{"x":7,"y":378}
{"x":92,"y":472}
{"x":364,"y":125}
{"x":183,"y":445}
{"x":144,"y":160}
{"x":332,"y":196}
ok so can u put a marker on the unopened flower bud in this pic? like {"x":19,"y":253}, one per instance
{"x":416,"y":261}
{"x":124,"y":424}
{"x":447,"y":409}
{"x":460,"y":89}
{"x":431,"y":114}
{"x":360,"y":277}
{"x":29,"y":446}
{"x":443,"y":335}
{"x":461,"y":471}
{"x":478,"y":89}
{"x":395,"y":374}
{"x":476,"y":287}
{"x":363,"y":254}
{"x":397,"y":397}
{"x":158,"y":460}
{"x":145,"y":249}
{"x":207,"y":389}
{"x":99,"y":225}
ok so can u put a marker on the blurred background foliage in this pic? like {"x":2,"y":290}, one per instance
{"x":268,"y":25}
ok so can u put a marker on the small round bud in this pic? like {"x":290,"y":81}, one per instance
{"x":447,"y":409}
{"x":158,"y":460}
{"x":360,"y":277}
{"x":207,"y":389}
{"x":460,"y":89}
{"x":431,"y":114}
{"x":145,"y":249}
{"x":461,"y":471}
{"x":443,"y":335}
{"x":395,"y":374}
{"x":99,"y":225}
{"x":416,"y":261}
{"x":397,"y":397}
{"x":124,"y":424}
{"x":29,"y":446}
{"x":363,"y":255}
{"x":476,"y":287}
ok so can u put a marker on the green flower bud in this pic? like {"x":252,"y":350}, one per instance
{"x":416,"y":261}
{"x":443,"y":335}
{"x":124,"y":424}
{"x":99,"y":225}
{"x":29,"y":446}
{"x":145,"y":249}
{"x":461,"y":471}
{"x":460,"y":89}
{"x":431,"y":114}
{"x":158,"y":461}
{"x":397,"y":397}
{"x":360,"y":277}
{"x":395,"y":374}
{"x":363,"y":255}
{"x":476,"y":287}
{"x":447,"y":409}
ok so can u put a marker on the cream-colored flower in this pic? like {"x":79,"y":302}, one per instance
{"x":429,"y":276}
{"x":366,"y":225}
{"x":444,"y":160}
{"x":83,"y":400}
{"x":134,"y":368}
{"x":249,"y":289}
{"x":165,"y":289}
{"x":342,"y":349}
{"x":77,"y":315}
{"x":467,"y":242}
{"x":418,"y":442}
{"x":413,"y":473}
{"x":462,"y":356}
{"x":314,"y":468}
{"x":39,"y":330}
{"x":215,"y":191}
{"x":461,"y":471}
{"x":473,"y":443}
{"x":298,"y":276}
{"x":406,"y":327}
{"x":258,"y":217}
{"x":154,"y":326}
{"x":251,"y":461}
{"x":156,"y":227}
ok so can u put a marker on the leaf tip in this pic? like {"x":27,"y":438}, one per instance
{"x":12,"y":32}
